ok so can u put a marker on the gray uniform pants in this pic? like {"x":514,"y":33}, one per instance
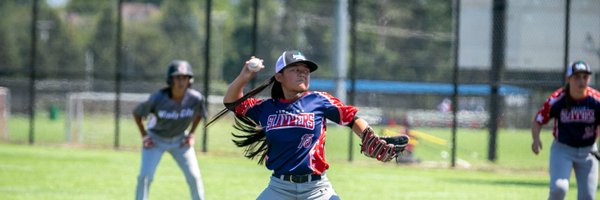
{"x":185,"y":157}
{"x":563,"y":158}
{"x":284,"y":190}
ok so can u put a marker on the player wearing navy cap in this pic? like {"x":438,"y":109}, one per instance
{"x":287,"y":131}
{"x":172,"y":110}
{"x":574,"y":109}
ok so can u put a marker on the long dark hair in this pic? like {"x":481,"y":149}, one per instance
{"x":568,"y":97}
{"x":252,"y":136}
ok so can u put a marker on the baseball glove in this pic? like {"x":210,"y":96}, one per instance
{"x":382,"y":148}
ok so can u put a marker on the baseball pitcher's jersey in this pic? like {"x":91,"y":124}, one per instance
{"x":171,"y":118}
{"x":576,"y":127}
{"x":295,"y":130}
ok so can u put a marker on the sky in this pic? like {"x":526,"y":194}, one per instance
{"x":57,"y":3}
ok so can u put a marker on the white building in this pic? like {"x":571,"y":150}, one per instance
{"x":535,"y":34}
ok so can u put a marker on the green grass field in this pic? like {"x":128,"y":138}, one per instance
{"x":53,"y":169}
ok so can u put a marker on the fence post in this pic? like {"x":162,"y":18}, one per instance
{"x":567,"y":25}
{"x":352,"y":92}
{"x":118,"y":75}
{"x":455,"y":44}
{"x":206,"y":70}
{"x":498,"y":48}
{"x":32,"y":66}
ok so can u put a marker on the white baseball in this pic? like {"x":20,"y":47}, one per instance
{"x":254,"y":65}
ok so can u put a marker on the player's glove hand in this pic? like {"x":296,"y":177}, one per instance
{"x":382,"y":148}
{"x":147,"y":142}
{"x":399,"y":142}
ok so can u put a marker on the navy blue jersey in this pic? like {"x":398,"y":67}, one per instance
{"x":295,"y":130}
{"x":577,"y":126}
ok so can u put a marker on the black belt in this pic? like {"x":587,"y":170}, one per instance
{"x":298,"y":178}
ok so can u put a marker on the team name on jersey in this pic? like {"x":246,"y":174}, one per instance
{"x":186,"y":112}
{"x":577,"y":115}
{"x":291,"y":120}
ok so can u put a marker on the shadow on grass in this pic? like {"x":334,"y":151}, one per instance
{"x":527,"y":183}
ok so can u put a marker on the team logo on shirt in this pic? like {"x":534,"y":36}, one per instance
{"x":187,"y":112}
{"x":291,"y":120}
{"x":577,"y":115}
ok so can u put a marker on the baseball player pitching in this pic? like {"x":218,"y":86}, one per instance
{"x":173,"y":109}
{"x":287,"y":131}
{"x":575,"y":131}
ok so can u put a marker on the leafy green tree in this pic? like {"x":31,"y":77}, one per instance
{"x":20,"y":29}
{"x":283,"y":25}
{"x":155,"y":2}
{"x":241,"y":38}
{"x":89,"y":7}
{"x":404,"y":40}
{"x":312,"y":25}
{"x":432,"y":54}
{"x":9,"y":60}
{"x":180,"y":25}
{"x":102,"y":45}
{"x":58,"y":56}
{"x":145,"y":56}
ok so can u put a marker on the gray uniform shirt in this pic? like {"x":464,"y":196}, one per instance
{"x":171,"y":118}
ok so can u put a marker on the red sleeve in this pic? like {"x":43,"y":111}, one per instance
{"x":243,"y":107}
{"x":341,"y":113}
{"x":544,"y":115}
{"x":593,"y":93}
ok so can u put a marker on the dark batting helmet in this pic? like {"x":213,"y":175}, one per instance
{"x":179,"y":67}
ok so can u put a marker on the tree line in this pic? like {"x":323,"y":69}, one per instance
{"x":396,"y":40}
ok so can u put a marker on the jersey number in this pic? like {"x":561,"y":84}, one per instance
{"x":305,"y":141}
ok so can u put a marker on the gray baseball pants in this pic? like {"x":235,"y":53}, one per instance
{"x":313,"y":190}
{"x":563,"y":158}
{"x":185,"y":156}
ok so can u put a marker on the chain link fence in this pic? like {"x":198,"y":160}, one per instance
{"x":402,"y":63}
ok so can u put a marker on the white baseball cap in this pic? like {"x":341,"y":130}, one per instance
{"x":578,"y":66}
{"x":291,"y":57}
